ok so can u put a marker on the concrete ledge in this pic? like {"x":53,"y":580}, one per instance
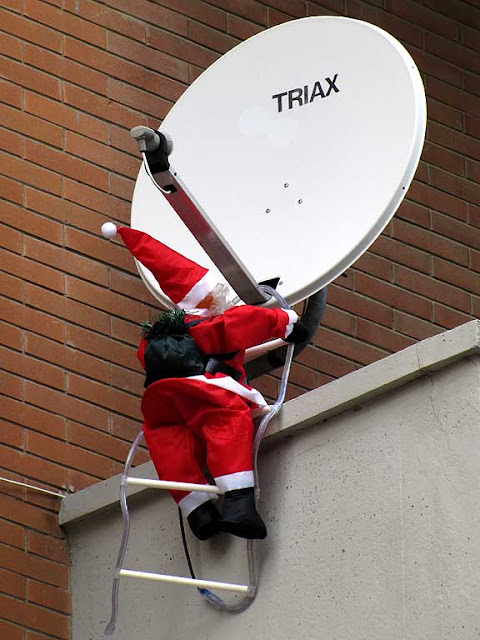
{"x":314,"y":407}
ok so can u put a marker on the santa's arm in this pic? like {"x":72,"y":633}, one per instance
{"x":246,"y":326}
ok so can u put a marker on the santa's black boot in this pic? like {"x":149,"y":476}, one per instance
{"x":239,"y":515}
{"x":203,"y":520}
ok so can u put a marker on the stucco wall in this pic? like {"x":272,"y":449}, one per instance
{"x":372,"y":510}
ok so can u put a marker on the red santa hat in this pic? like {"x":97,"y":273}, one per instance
{"x":182,"y":280}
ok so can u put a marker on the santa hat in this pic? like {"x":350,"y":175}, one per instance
{"x":182,"y":280}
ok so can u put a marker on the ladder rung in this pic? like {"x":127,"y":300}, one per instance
{"x":180,"y":486}
{"x":207,"y":584}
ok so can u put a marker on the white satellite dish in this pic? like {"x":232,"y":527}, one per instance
{"x":299,"y":144}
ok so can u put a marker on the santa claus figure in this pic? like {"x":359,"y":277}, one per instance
{"x":199,"y":413}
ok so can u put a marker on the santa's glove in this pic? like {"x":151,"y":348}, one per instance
{"x":298,"y":334}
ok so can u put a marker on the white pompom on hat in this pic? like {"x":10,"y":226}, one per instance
{"x":109,"y":230}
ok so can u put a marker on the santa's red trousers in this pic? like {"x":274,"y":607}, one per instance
{"x":189,"y":423}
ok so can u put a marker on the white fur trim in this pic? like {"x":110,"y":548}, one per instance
{"x":198,"y":292}
{"x":293,"y":317}
{"x":239,"y":480}
{"x":109,"y":230}
{"x":225,"y":382}
{"x":193,"y":500}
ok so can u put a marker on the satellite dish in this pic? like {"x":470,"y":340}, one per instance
{"x":300,"y":144}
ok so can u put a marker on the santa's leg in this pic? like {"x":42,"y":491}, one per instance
{"x":176,"y":453}
{"x":228,"y":430}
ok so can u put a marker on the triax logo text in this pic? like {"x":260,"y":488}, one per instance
{"x":306,"y":95}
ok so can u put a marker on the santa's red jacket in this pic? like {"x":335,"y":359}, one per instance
{"x":207,"y":418}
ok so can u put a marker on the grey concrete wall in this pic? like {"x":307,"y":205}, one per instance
{"x":373,"y":511}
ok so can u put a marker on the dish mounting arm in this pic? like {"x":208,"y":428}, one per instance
{"x":155,"y":148}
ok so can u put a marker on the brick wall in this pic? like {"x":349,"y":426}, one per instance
{"x":77,"y":74}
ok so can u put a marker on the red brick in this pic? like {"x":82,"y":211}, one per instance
{"x":130,"y":381}
{"x":108,"y":301}
{"x":11,"y":584}
{"x":11,"y":190}
{"x":454,"y":97}
{"x":67,"y":261}
{"x":268,"y":387}
{"x":30,"y":31}
{"x":78,"y":480}
{"x":26,"y":318}
{"x":459,"y":231}
{"x":65,"y":405}
{"x":34,"y":518}
{"x":29,"y":270}
{"x":334,"y":7}
{"x":303,"y":376}
{"x":66,"y":164}
{"x":27,"y":367}
{"x":104,"y":396}
{"x":325,"y":362}
{"x":12,"y":142}
{"x":131,"y":286}
{"x":11,"y":336}
{"x":429,"y":241}
{"x":445,"y":49}
{"x":32,"y":223}
{"x":11,"y":434}
{"x":125,"y":428}
{"x":475,"y":307}
{"x":68,"y":309}
{"x":380,"y":336}
{"x":10,"y":631}
{"x":457,"y":186}
{"x":211,"y":38}
{"x":112,"y":207}
{"x":36,"y":175}
{"x":471,"y":83}
{"x":359,"y":305}
{"x":101,"y":443}
{"x":67,"y":358}
{"x":103,"y":107}
{"x":458,"y":276}
{"x":11,"y":385}
{"x":11,"y":287}
{"x":399,"y":28}
{"x":241,"y":29}
{"x":153,"y":14}
{"x":437,"y":200}
{"x":32,"y":417}
{"x":111,"y":19}
{"x":275,"y":18}
{"x":120,"y":186}
{"x":449,"y":318}
{"x":49,"y":597}
{"x":102,"y":347}
{"x":435,"y":290}
{"x":393,"y":296}
{"x":31,"y":79}
{"x":110,"y":158}
{"x":146,"y":56}
{"x":180,"y":48}
{"x":125,"y":331}
{"x":460,"y":12}
{"x":12,"y":534}
{"x":67,"y":454}
{"x":374,"y":265}
{"x":124,"y":94}
{"x":203,"y":11}
{"x":414,"y":212}
{"x":249,"y":9}
{"x":347,"y":346}
{"x":115,"y":67}
{"x":414,"y":327}
{"x":423,"y":17}
{"x":44,"y":471}
{"x":65,"y":116}
{"x":34,"y":617}
{"x":439,"y":112}
{"x":473,"y":170}
{"x":65,"y":22}
{"x":336,"y":319}
{"x":451,"y":139}
{"x":54,"y":549}
{"x":469,"y":37}
{"x":440,"y":157}
{"x":293,"y":392}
